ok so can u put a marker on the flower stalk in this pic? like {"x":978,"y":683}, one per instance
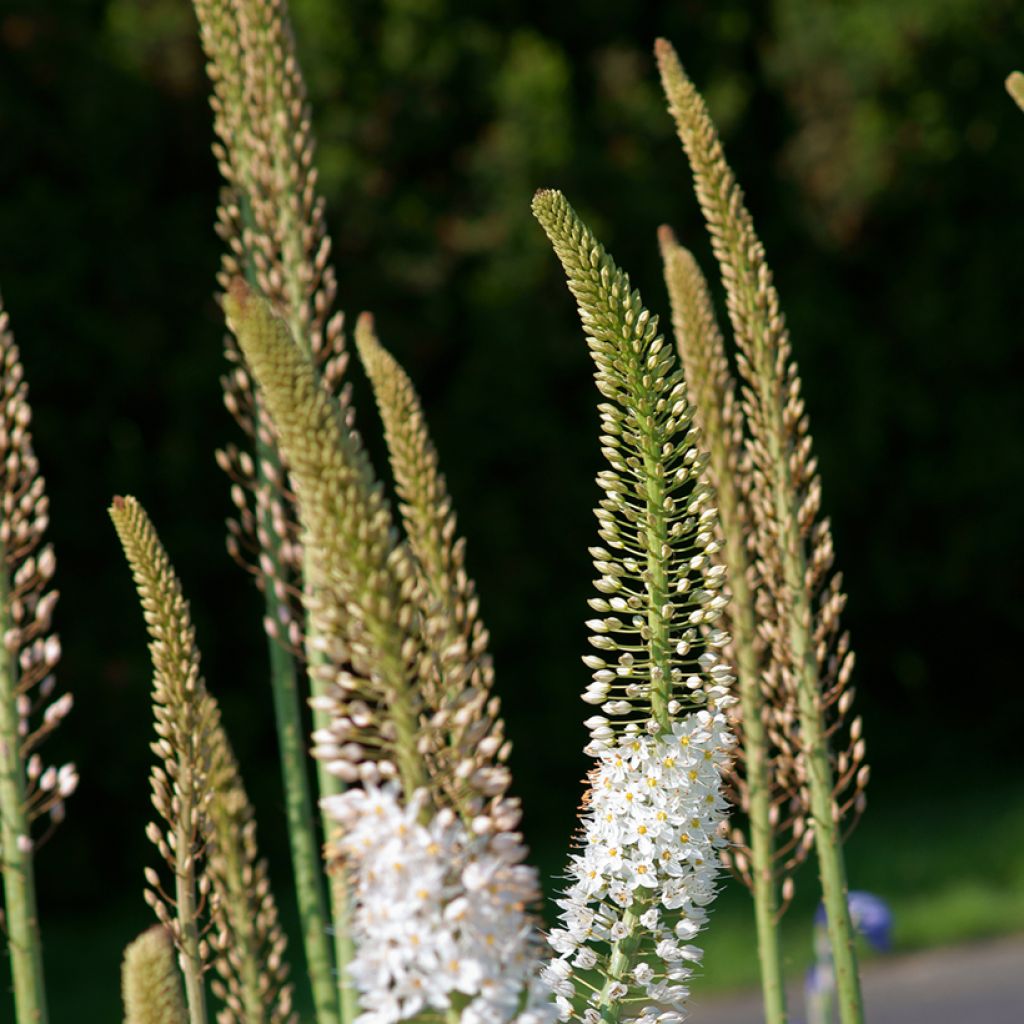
{"x":29,"y":790}
{"x":653,"y":818}
{"x":702,"y":352}
{"x":359,"y":591}
{"x":185,"y":724}
{"x":794,"y":547}
{"x":468,"y":757}
{"x":272,"y":222}
{"x":20,"y":916}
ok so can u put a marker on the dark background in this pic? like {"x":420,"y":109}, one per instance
{"x":883,"y":163}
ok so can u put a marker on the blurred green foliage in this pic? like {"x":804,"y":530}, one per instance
{"x":883,"y":164}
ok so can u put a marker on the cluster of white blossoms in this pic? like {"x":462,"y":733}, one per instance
{"x":642,"y":882}
{"x":441,"y":916}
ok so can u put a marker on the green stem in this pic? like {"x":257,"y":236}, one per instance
{"x":620,"y":963}
{"x":762,"y":836}
{"x":330,"y":785}
{"x":831,"y":867}
{"x":19,"y":879}
{"x":766,"y":909}
{"x":185,"y":898}
{"x":814,"y":741}
{"x":240,"y":915}
{"x":302,"y":834}
{"x":764,"y":887}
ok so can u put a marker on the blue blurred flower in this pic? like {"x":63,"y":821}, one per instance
{"x":871,"y":917}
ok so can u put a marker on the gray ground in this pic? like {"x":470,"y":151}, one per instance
{"x":978,"y":984}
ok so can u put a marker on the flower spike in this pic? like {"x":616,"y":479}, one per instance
{"x":809,"y":651}
{"x":209,"y":834}
{"x":654,"y":817}
{"x":764,"y":782}
{"x":457,"y":675}
{"x":359,"y":591}
{"x":185,"y":720}
{"x":658,"y":587}
{"x":30,"y":791}
{"x":271,"y":221}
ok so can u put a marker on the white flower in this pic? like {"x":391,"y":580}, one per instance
{"x":648,"y":861}
{"x":439,"y":912}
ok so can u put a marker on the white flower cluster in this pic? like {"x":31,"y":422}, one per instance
{"x":646,"y":871}
{"x":440,"y":915}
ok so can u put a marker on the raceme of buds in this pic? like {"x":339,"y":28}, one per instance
{"x":441,"y":915}
{"x":652,"y":832}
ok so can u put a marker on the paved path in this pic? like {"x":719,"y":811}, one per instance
{"x":978,"y":984}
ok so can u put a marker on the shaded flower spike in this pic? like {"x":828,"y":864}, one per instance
{"x":456,"y":674}
{"x":30,"y":790}
{"x":150,"y":981}
{"x":208,"y":838}
{"x":361,"y":580}
{"x":766,"y":781}
{"x":793,"y":543}
{"x":271,"y":221}
{"x":653,"y":820}
{"x":184,"y":724}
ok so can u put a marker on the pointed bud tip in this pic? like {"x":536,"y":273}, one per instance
{"x":239,"y":290}
{"x":667,"y":238}
{"x":543,"y":196}
{"x":1015,"y":87}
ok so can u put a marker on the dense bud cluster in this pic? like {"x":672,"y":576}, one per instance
{"x":652,"y":831}
{"x":441,"y":916}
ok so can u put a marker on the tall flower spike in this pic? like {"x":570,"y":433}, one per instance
{"x":150,"y":982}
{"x":186,"y":721}
{"x":765,"y":783}
{"x":29,"y":790}
{"x":272,"y":223}
{"x":794,"y":545}
{"x":359,"y":591}
{"x":457,"y":672}
{"x":248,"y":943}
{"x":654,"y":815}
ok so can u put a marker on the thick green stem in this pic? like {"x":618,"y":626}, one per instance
{"x":185,"y":898}
{"x":330,"y":785}
{"x":306,"y":860}
{"x":16,"y":852}
{"x":762,"y":836}
{"x":244,"y":928}
{"x":766,"y":903}
{"x":820,"y":783}
{"x":620,"y":963}
{"x":831,"y":867}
